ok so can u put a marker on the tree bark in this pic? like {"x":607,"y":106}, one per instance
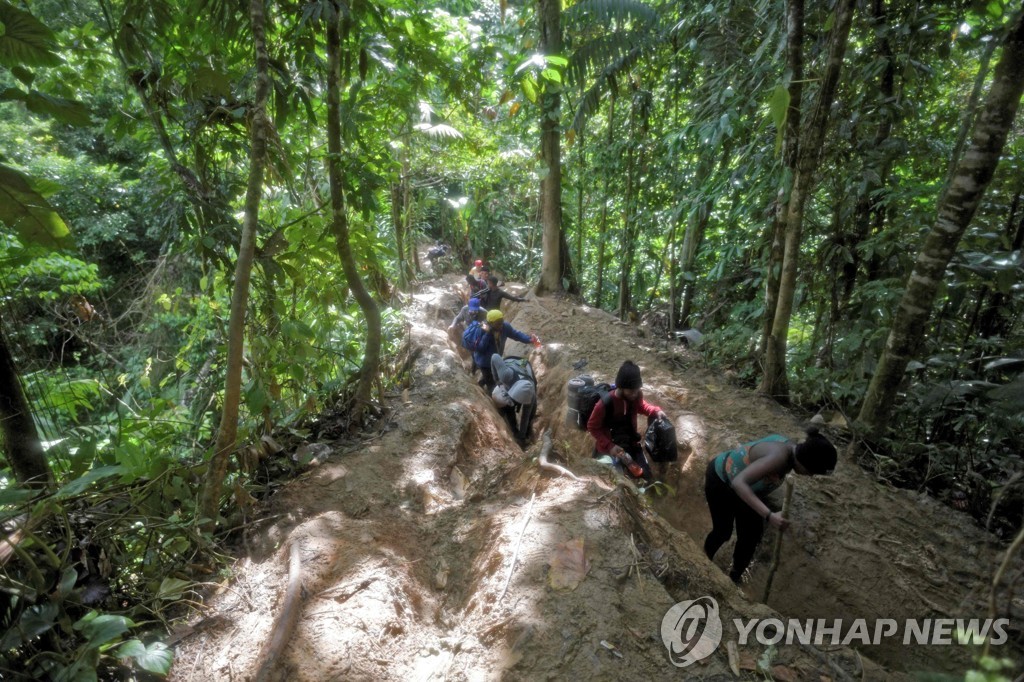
{"x":339,"y":226}
{"x":22,"y":447}
{"x":790,"y":152}
{"x":957,"y":208}
{"x":605,"y":198}
{"x":775,"y":380}
{"x":227,"y":431}
{"x":550,"y":12}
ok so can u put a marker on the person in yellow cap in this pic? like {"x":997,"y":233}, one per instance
{"x":498,"y":331}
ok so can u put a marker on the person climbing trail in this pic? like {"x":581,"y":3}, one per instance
{"x":613,"y":425}
{"x":515,"y":394}
{"x":490,"y":298}
{"x":470,"y":312}
{"x":493,"y":341}
{"x":737,"y":482}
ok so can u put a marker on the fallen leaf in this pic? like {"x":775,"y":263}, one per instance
{"x":783,"y":674}
{"x":734,"y":657}
{"x":569,"y":565}
{"x":747,"y":661}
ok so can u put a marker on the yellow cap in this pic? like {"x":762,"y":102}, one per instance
{"x":494,"y":315}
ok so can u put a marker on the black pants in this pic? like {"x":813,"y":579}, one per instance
{"x":486,"y":379}
{"x":727,"y":509}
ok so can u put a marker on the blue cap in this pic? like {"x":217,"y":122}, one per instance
{"x":474,"y":304}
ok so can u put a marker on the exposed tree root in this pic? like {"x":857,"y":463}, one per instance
{"x":284,"y":624}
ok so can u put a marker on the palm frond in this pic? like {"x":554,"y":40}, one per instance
{"x":596,"y":53}
{"x":602,"y":12}
{"x":592,"y":98}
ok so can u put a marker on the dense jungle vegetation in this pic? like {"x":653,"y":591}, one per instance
{"x":210,"y":213}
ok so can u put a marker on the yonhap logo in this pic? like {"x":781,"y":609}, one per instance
{"x":691,"y":630}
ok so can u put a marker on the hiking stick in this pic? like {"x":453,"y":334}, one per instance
{"x":777,"y":552}
{"x":515,"y":555}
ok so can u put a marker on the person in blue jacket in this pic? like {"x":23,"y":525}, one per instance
{"x":498,"y":331}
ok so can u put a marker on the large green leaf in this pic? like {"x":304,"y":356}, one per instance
{"x":156,"y":658}
{"x":103,"y":628}
{"x":27,"y":212}
{"x":79,"y":484}
{"x":24,"y":40}
{"x":64,"y":110}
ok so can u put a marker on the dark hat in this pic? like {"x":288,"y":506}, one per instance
{"x":816,"y":453}
{"x":628,"y":376}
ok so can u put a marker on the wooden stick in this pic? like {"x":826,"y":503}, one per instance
{"x":777,"y":552}
{"x":284,"y":624}
{"x":998,"y":577}
{"x":515,"y":554}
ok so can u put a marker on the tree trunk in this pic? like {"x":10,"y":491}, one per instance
{"x":959,"y":204}
{"x":339,"y":226}
{"x":626,"y":246}
{"x":694,"y":233}
{"x":605,"y":197}
{"x":790,"y":153}
{"x":550,"y":12}
{"x":22,"y":447}
{"x":397,"y":224}
{"x":775,"y":380}
{"x":227,"y":432}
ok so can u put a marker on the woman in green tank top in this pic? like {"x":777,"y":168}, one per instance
{"x":737,"y":481}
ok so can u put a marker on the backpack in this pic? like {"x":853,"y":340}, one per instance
{"x":522,"y":368}
{"x":473,"y":337}
{"x":587,"y":399}
{"x":660,"y":441}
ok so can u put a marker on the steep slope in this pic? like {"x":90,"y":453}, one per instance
{"x":438,"y":549}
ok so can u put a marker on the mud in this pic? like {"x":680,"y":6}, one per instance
{"x":427,"y":547}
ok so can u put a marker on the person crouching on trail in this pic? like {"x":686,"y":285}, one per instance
{"x":498,"y":331}
{"x":737,"y":482}
{"x":515,"y":394}
{"x":614,"y":430}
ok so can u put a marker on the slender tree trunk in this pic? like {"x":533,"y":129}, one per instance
{"x":339,"y":226}
{"x":605,"y":198}
{"x":626,"y":245}
{"x":696,"y":225}
{"x":790,"y":154}
{"x":227,"y":432}
{"x":775,"y":380}
{"x":580,"y":182}
{"x":22,"y":447}
{"x":959,"y":204}
{"x":550,"y":12}
{"x":397,"y":223}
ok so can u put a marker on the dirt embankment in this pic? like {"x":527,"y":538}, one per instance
{"x":438,"y":549}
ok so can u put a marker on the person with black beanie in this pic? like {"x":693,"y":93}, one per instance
{"x":737,"y":482}
{"x":614,"y":428}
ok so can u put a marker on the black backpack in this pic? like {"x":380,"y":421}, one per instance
{"x":589,"y":397}
{"x":660,"y":441}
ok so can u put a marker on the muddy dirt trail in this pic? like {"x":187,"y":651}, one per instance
{"x":437,"y":549}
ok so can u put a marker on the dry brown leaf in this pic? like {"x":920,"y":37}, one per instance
{"x":748,"y":661}
{"x":782,"y":673}
{"x":569,"y":565}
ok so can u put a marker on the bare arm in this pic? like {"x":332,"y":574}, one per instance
{"x":773,"y":462}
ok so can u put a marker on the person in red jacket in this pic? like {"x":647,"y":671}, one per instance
{"x":614,"y":430}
